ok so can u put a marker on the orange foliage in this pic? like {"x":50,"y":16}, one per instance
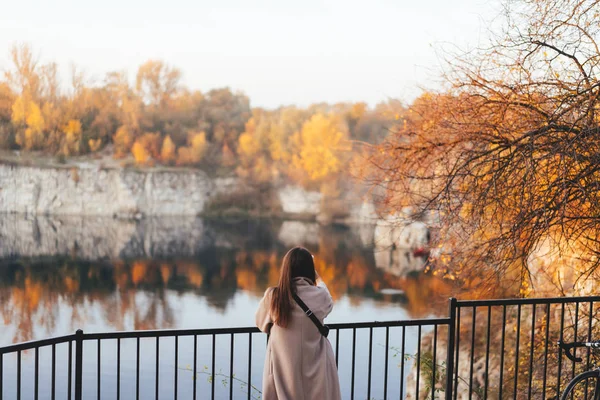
{"x":94,"y":144}
{"x":168,"y":151}
{"x":152,"y":143}
{"x":140,"y":154}
{"x":138,"y":272}
{"x":165,"y":273}
{"x":193,"y":153}
{"x":123,"y":140}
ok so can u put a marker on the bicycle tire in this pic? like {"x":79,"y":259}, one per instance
{"x":581,"y":377}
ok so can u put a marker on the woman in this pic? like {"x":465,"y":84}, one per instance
{"x":300,"y":364}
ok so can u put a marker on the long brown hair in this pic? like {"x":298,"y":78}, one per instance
{"x":298,"y":262}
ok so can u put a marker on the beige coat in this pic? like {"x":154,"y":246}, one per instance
{"x":300,"y":364}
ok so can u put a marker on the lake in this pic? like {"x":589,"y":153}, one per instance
{"x":59,"y":274}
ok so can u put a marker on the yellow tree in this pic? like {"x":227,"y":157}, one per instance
{"x":123,"y":140}
{"x":71,"y":143}
{"x":254,"y":149}
{"x":194,"y":152}
{"x":140,"y":153}
{"x":168,"y":152}
{"x":321,"y":147}
{"x":27,"y":116}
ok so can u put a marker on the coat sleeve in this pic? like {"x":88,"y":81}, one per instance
{"x":263,"y":314}
{"x":328,"y":300}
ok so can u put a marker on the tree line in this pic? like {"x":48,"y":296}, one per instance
{"x":155,"y":120}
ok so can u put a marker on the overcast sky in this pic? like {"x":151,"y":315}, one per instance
{"x":278,"y":52}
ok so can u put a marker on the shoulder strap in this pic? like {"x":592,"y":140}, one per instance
{"x":322,"y":329}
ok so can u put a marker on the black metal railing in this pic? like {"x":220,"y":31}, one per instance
{"x":483,"y":349}
{"x":508,"y":348}
{"x":373,"y":376}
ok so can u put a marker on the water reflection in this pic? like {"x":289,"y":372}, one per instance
{"x":58,"y":274}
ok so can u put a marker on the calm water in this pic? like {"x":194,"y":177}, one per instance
{"x":97,"y":274}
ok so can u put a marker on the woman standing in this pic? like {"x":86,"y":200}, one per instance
{"x":300,"y":364}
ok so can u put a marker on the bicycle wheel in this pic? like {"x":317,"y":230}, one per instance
{"x":584,"y":386}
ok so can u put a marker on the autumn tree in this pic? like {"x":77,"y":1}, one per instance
{"x":123,"y":140}
{"x":255,"y":147}
{"x":140,"y":153}
{"x":156,"y":82}
{"x":168,"y":152}
{"x":24,"y":77}
{"x":27,"y":117}
{"x":320,"y":146}
{"x":71,"y":143}
{"x":509,"y":157}
{"x":6,"y":130}
{"x":193,"y":153}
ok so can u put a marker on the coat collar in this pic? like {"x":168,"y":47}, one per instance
{"x":302,"y":281}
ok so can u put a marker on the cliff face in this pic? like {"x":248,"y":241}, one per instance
{"x":105,"y":192}
{"x":89,"y":190}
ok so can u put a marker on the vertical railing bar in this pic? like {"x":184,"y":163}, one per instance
{"x":53,"y":396}
{"x":78,"y":364}
{"x":157,"y":370}
{"x":575,"y":339}
{"x":575,"y":348}
{"x":176,"y":368}
{"x":195,"y":380}
{"x":231,"y":370}
{"x":487,"y":352}
{"x":118,"y":368}
{"x":502,"y":351}
{"x":36,"y":385}
{"x":98,"y":370}
{"x":589,"y":339}
{"x":385,"y":374}
{"x":69,"y":372}
{"x":517,"y":351}
{"x":418,"y":361}
{"x":137,"y":368}
{"x":19,"y":375}
{"x":457,"y":347}
{"x":1,"y":376}
{"x":402,"y":362}
{"x":533,"y":306}
{"x":434,"y":361}
{"x":249,"y":365}
{"x":562,"y":327}
{"x":337,"y":346}
{"x":353,"y":361}
{"x":473,"y":319}
{"x":451,"y":348}
{"x":370,"y":361}
{"x":547,"y":338}
{"x":213,"y":368}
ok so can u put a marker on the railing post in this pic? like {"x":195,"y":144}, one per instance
{"x":78,"y":364}
{"x":451,"y":350}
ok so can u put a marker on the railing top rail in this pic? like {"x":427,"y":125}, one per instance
{"x":527,"y":301}
{"x":167,"y":333}
{"x":383,"y":324}
{"x":224,"y":331}
{"x":36,"y":343}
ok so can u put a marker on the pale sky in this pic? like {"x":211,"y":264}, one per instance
{"x":278,"y":52}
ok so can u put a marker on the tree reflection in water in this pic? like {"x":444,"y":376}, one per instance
{"x":132,"y":291}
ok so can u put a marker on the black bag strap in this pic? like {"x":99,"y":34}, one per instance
{"x":322,"y":329}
